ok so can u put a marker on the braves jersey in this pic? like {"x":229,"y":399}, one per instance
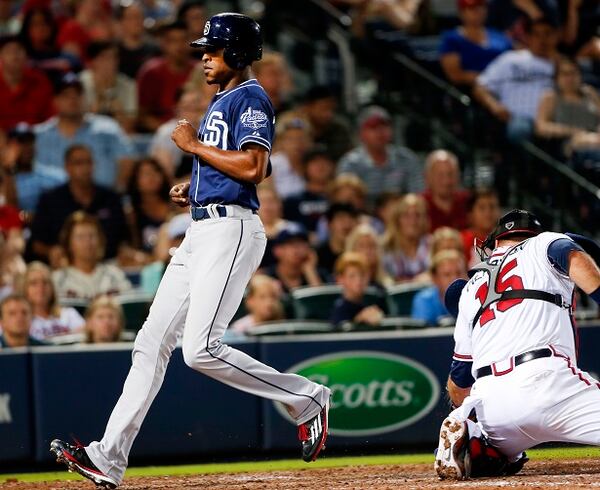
{"x":235,"y":117}
{"x":510,"y":327}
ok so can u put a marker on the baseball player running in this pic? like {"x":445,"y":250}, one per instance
{"x":204,"y":283}
{"x":514,"y":368}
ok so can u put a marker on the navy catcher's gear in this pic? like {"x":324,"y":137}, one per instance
{"x":452,"y":296}
{"x":588,"y":245}
{"x":237,"y":33}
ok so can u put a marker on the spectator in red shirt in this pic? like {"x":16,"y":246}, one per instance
{"x":160,"y":78}
{"x":9,"y":218}
{"x":446,"y":201}
{"x":25,"y":93}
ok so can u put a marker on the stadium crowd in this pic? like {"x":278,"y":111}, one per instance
{"x":90,"y":91}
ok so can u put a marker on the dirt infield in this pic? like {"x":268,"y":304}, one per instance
{"x":566,"y":474}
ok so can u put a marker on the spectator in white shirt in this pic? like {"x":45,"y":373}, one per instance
{"x":49,"y":318}
{"x":85,"y":276}
{"x":512,"y":86}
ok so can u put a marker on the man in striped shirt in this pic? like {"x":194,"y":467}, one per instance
{"x":381,"y":164}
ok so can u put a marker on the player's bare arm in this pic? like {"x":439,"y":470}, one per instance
{"x":249,"y":165}
{"x":456,"y":393}
{"x":584,"y":271}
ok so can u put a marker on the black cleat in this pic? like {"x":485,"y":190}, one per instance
{"x":76,"y":459}
{"x":514,"y":468}
{"x":313,"y":434}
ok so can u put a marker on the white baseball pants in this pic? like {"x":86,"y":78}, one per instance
{"x":200,"y":292}
{"x":544,"y":400}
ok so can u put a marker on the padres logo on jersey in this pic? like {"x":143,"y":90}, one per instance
{"x":216,"y":130}
{"x":254,"y":119}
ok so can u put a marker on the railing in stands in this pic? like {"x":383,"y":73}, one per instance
{"x":523,"y":193}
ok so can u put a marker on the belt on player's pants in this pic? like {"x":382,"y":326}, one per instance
{"x":515,"y":361}
{"x":217,"y":211}
{"x":198,"y":214}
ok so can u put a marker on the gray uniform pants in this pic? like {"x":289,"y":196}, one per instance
{"x":200,"y":292}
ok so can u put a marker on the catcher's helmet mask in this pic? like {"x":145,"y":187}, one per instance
{"x":515,"y":222}
{"x":238,"y":34}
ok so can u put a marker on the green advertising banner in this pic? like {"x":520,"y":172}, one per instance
{"x":372,"y":392}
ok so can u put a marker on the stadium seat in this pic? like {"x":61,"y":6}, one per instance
{"x":135,"y":309}
{"x":315,"y":302}
{"x":400,"y":297}
{"x":290,"y":327}
{"x":389,"y":323}
{"x":78,"y":303}
{"x":135,"y":304}
{"x":402,"y":323}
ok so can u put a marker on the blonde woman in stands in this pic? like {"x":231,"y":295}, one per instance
{"x":49,"y":318}
{"x":104,"y":321}
{"x":263,"y":302}
{"x":446,"y":238}
{"x":347,"y":188}
{"x":364,"y":240}
{"x":86,"y":276}
{"x":443,"y":239}
{"x":406,"y":241}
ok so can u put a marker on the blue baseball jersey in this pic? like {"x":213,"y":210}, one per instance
{"x":235,"y":117}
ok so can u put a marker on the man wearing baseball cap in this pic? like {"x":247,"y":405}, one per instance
{"x":111,"y":149}
{"x":382,"y":165}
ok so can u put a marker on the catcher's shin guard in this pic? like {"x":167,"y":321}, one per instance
{"x":485,"y":460}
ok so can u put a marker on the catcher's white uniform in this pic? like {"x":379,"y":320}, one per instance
{"x":544,"y":399}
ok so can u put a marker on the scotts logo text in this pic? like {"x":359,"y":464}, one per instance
{"x":372,"y":392}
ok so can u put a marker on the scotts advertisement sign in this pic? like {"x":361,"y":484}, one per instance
{"x":372,"y":392}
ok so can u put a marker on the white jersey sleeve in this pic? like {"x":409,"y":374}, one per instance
{"x":467,"y":308}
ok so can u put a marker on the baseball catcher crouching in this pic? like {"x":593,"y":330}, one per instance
{"x":514,"y":380}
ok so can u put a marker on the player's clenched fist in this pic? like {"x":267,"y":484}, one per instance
{"x":184,"y":136}
{"x":179,"y":194}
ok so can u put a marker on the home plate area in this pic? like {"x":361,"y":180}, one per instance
{"x":564,"y":474}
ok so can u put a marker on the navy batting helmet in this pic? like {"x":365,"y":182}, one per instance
{"x":237,"y":33}
{"x":515,"y":222}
